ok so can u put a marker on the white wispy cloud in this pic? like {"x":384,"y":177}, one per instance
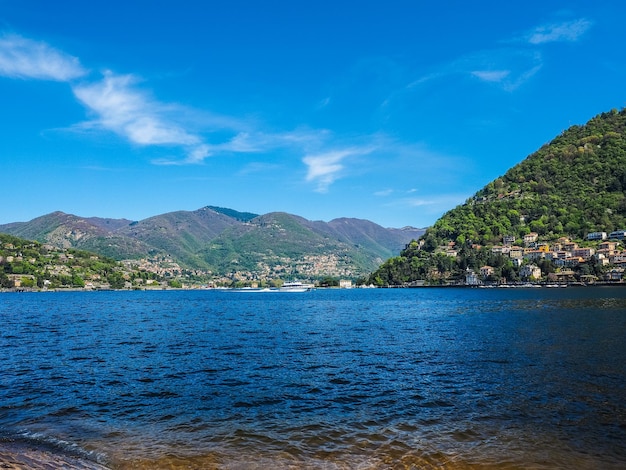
{"x":122,"y":104}
{"x":506,"y":67}
{"x":255,"y":141}
{"x":127,"y":111}
{"x":491,"y":75}
{"x":568,"y":31}
{"x":27,"y":59}
{"x":511,"y":66}
{"x":251,"y":141}
{"x":323,"y":103}
{"x":118,"y":106}
{"x":325,"y":168}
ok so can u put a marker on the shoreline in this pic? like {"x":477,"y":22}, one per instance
{"x":15,"y":455}
{"x":410,"y":286}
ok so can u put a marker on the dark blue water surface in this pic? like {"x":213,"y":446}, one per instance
{"x":367,"y":379}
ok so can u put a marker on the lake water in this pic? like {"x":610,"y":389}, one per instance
{"x":330,"y":379}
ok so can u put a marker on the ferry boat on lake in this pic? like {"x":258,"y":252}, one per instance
{"x":296,"y":286}
{"x":292,"y":286}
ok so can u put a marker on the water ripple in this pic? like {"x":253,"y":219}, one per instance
{"x":426,"y":378}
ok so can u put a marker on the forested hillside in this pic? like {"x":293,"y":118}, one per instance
{"x":26,"y":264}
{"x":570,"y":187}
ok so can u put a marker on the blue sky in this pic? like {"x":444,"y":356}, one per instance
{"x":392,"y":111}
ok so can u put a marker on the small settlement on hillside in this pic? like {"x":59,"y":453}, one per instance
{"x":565,"y":255}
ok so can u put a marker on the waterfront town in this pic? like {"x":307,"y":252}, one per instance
{"x":601,"y":249}
{"x":29,"y":266}
{"x":599,"y":259}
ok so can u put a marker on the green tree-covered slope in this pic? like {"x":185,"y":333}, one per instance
{"x":574,"y":185}
{"x":285,"y":241}
{"x":29,"y":264}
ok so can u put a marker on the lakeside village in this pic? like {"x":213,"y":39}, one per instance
{"x":31,"y":266}
{"x":601,"y":261}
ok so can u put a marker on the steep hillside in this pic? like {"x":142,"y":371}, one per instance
{"x":570,"y":187}
{"x":26,"y":264}
{"x":91,"y":234}
{"x":280,"y":242}
{"x":372,"y":237}
{"x":110,"y":225}
{"x":57,"y":228}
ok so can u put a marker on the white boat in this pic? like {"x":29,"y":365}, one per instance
{"x":296,"y":286}
{"x":252,"y":289}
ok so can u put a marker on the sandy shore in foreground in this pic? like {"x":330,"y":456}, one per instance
{"x":20,"y":456}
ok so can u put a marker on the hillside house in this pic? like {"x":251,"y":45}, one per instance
{"x":530,"y":238}
{"x":471,"y":279}
{"x":584,"y":253}
{"x":501,"y":250}
{"x":530,"y":271}
{"x":562,"y":254}
{"x":532,"y":255}
{"x":566,"y":275}
{"x":508,"y":239}
{"x":569,"y":246}
{"x":596,"y":236}
{"x":615,"y":274}
{"x":569,"y":262}
{"x":607,"y":248}
{"x":486,"y":271}
{"x":619,"y":259}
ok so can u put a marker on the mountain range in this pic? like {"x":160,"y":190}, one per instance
{"x":225,"y":241}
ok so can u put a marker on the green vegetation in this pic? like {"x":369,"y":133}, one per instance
{"x":569,"y":188}
{"x":220,"y":245}
{"x":28,"y":264}
{"x":285,"y":245}
{"x":240,"y":216}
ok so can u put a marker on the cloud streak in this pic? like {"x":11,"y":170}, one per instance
{"x":325,"y":168}
{"x":568,"y":31}
{"x":511,"y":66}
{"x":120,"y":108}
{"x":27,"y":59}
{"x":117,"y":103}
{"x":507,"y":67}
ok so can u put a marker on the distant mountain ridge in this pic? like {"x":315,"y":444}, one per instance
{"x":225,"y":241}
